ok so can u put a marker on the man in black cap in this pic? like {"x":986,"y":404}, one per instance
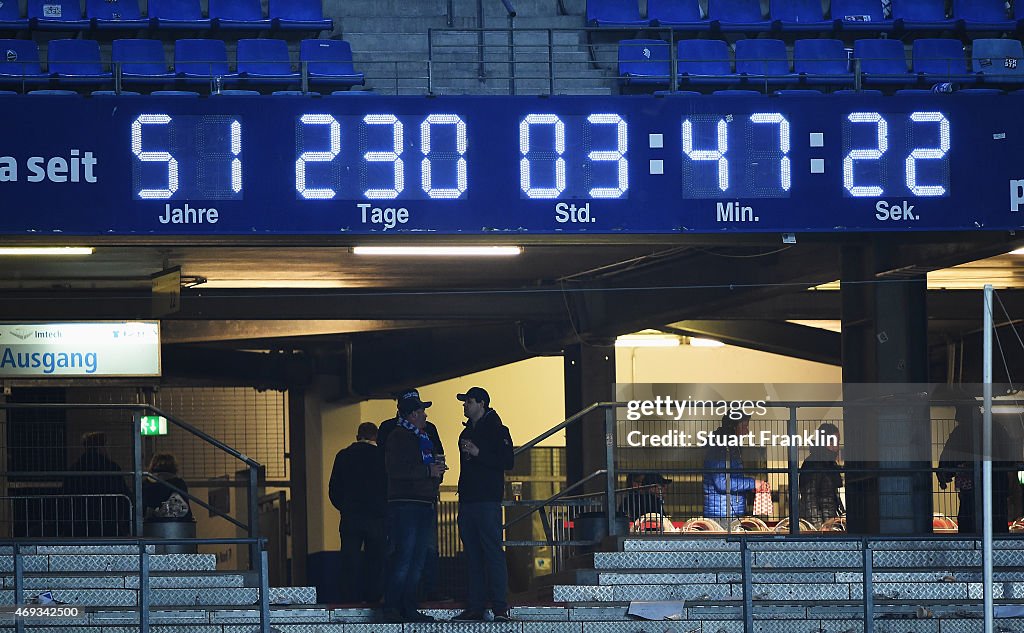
{"x":646,"y":496}
{"x":414,"y":474}
{"x":429,"y":578}
{"x":357,"y":490}
{"x":486,"y":453}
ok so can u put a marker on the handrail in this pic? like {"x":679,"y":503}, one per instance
{"x":555,"y":497}
{"x":509,"y":8}
{"x":191,"y":497}
{"x":558,"y":427}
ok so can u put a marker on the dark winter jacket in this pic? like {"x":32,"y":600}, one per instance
{"x":358,"y":484}
{"x":482,"y":478}
{"x":722,"y":465}
{"x":820,"y":481}
{"x":408,"y":477}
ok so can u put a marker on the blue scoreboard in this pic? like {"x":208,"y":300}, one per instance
{"x":516,"y":165}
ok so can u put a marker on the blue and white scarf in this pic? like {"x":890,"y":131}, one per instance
{"x":426,"y":446}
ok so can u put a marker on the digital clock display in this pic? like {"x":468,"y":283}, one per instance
{"x":484,"y":165}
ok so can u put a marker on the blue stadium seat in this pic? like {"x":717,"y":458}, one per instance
{"x":329,"y":63}
{"x":56,"y":15}
{"x":983,"y":15}
{"x":914,"y":92}
{"x":265,"y":61}
{"x":681,"y":15}
{"x":76,"y":62}
{"x":115,"y":15}
{"x":238,"y":93}
{"x":53,"y":93}
{"x":941,"y":59}
{"x":7,"y":93}
{"x":113,"y":93}
{"x":200,"y":61}
{"x":174,"y":93}
{"x":141,"y":61}
{"x":1018,"y":13}
{"x":822,"y":62}
{"x":677,"y":93}
{"x":799,"y":15}
{"x":644,"y":62}
{"x":299,"y":15}
{"x":10,"y":17}
{"x":239,"y":15}
{"x":882,"y":62}
{"x":704,"y":62}
{"x":803,"y":92}
{"x":763,"y":62}
{"x":614,"y":13}
{"x":736,"y":93}
{"x":859,"y":93}
{"x":984,"y":91}
{"x":998,"y":60}
{"x":860,"y":15}
{"x":19,"y":63}
{"x":737,"y":15}
{"x":288,"y":93}
{"x":177,"y":14}
{"x":922,"y":15}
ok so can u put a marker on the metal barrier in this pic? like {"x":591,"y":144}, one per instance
{"x":141,"y":544}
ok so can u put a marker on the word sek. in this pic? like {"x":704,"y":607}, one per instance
{"x":571,"y":213}
{"x":895,"y":211}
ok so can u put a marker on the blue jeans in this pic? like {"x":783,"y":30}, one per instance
{"x":409,"y":531}
{"x":481,"y":534}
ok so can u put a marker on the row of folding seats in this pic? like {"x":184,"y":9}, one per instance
{"x":807,"y":15}
{"x":824,"y":62}
{"x":327,"y":63}
{"x":66,"y":15}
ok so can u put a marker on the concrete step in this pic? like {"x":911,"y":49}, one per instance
{"x":110,"y":563}
{"x":820,"y":559}
{"x":95,"y":581}
{"x":206,"y":596}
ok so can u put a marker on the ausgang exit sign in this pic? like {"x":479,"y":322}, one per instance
{"x":154,"y":425}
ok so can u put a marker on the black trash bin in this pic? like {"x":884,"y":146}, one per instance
{"x":171,"y":529}
{"x":593,"y":526}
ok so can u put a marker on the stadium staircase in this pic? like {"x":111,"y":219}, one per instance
{"x":390,"y":44}
{"x":796,"y":586}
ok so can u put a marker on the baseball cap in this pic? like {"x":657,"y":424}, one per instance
{"x":410,"y":401}
{"x":406,"y":393}
{"x":476,"y":393}
{"x":655,"y":479}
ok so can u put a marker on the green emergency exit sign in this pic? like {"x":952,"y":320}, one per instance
{"x":154,"y":425}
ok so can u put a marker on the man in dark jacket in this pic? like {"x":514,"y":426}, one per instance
{"x":357,"y":490}
{"x":486,"y":453}
{"x":725,"y":482}
{"x":431,"y":567}
{"x":100,"y":504}
{"x":414,"y":474}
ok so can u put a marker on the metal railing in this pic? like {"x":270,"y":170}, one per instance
{"x":145,"y":591}
{"x":781,"y":466}
{"x":93,"y":504}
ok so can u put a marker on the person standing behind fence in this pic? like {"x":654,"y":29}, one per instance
{"x":100,"y":504}
{"x":486,"y":453}
{"x":820,"y":479}
{"x":160,"y":502}
{"x":359,"y":491}
{"x":725,"y":484}
{"x":960,"y":461}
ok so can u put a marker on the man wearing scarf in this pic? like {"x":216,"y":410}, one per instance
{"x":413,"y":479}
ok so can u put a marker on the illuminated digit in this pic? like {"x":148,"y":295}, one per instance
{"x":882,"y":127}
{"x":618,"y":156}
{"x":393,"y":157}
{"x":236,"y":151}
{"x":923,"y":153}
{"x":155,"y":157}
{"x":785,"y":174}
{"x":426,"y":145}
{"x":717,"y":154}
{"x":323,"y":193}
{"x":524,"y":162}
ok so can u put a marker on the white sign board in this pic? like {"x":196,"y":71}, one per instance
{"x":80,"y":350}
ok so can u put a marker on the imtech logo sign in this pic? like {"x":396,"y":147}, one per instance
{"x":87,"y":350}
